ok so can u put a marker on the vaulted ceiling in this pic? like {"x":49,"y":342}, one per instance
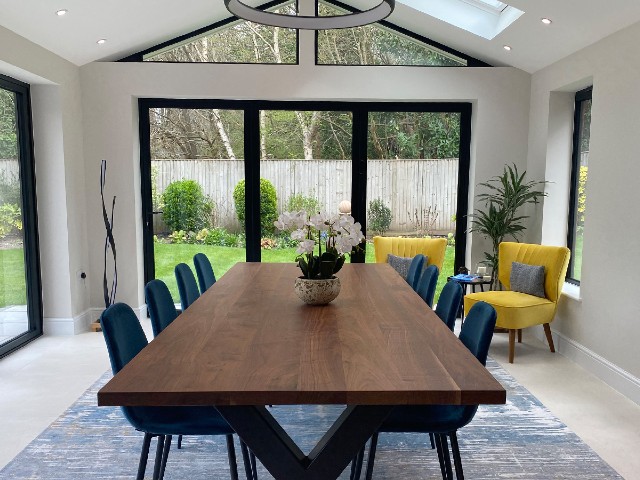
{"x":131,"y":26}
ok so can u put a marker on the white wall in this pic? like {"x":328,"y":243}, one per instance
{"x":500,"y":124}
{"x":57,"y":123}
{"x":601,"y":329}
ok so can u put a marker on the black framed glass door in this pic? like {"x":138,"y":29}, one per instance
{"x":20,"y":289}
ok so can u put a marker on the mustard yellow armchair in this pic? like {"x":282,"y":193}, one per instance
{"x":520,"y":310}
{"x":433,"y":248}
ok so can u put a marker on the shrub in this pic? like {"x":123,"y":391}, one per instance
{"x":379,"y":218}
{"x":185,"y":206}
{"x":268,"y":205}
{"x":268,"y":243}
{"x":10,"y":189}
{"x":10,"y":219}
{"x":220,"y":237}
{"x":298,"y":202}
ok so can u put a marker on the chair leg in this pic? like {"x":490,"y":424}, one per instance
{"x":440,"y":456}
{"x":179,"y":442}
{"x":357,"y":462}
{"x":254,"y":468}
{"x":547,"y":332}
{"x":231,"y":451}
{"x":372,"y":456}
{"x":447,"y":458}
{"x":512,"y":345}
{"x":519,"y":335}
{"x":158,"y":462}
{"x":144,"y":456}
{"x":165,"y":455}
{"x":457,"y":460}
{"x":433,"y":445}
{"x":249,"y":468}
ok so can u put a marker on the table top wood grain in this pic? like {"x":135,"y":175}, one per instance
{"x":249,"y":340}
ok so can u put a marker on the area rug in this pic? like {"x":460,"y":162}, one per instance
{"x":518,"y":440}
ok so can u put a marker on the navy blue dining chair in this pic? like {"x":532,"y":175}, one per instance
{"x":449,"y":303}
{"x":415,"y":270}
{"x":125,"y":338}
{"x":444,"y":420}
{"x":426,"y":287}
{"x":162,"y":310}
{"x":204,"y":271}
{"x":187,"y":287}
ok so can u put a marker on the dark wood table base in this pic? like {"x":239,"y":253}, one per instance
{"x":283,"y":458}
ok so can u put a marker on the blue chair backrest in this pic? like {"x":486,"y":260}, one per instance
{"x":162,"y":310}
{"x":427,"y":284}
{"x":449,"y":303}
{"x":123,"y":334}
{"x":187,"y":287}
{"x":204,"y":270}
{"x":477,"y":330}
{"x":415,"y":270}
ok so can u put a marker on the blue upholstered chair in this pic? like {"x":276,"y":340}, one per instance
{"x":426,"y":287}
{"x":204,"y":271}
{"x":415,"y":270}
{"x":162,"y":310}
{"x":187,"y":287}
{"x":444,"y":420}
{"x":125,"y":339}
{"x":449,"y":303}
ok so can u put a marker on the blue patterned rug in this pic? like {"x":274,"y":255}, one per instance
{"x":519,"y":440}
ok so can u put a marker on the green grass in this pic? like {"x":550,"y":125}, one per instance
{"x":12,"y":278}
{"x":167,"y":256}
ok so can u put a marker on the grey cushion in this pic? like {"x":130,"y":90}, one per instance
{"x":400,"y":264}
{"x":527,"y":279}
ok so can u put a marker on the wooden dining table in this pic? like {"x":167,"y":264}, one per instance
{"x":249,"y":342}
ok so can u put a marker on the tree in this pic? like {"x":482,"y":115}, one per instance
{"x":8,"y":127}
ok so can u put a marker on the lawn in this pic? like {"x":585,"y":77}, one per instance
{"x":167,"y":256}
{"x":12,"y":278}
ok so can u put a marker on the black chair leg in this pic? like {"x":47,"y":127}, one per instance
{"x":231,"y":451}
{"x":165,"y":455}
{"x":144,"y":456}
{"x":179,"y":442}
{"x":447,"y":458}
{"x":372,"y":456}
{"x":433,"y":444}
{"x":254,"y":468}
{"x":440,"y":456}
{"x":355,"y":472}
{"x":158,"y":462}
{"x":457,"y":460}
{"x":248,"y":467}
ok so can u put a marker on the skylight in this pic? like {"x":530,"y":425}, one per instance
{"x":485,"y":18}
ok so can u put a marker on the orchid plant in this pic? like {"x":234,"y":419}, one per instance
{"x":338,"y":234}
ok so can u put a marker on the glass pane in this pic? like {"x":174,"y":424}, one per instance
{"x":412,"y":178}
{"x":376,"y":45}
{"x":14,"y":318}
{"x":581,"y":195}
{"x":305,"y":158}
{"x":197,"y":163}
{"x":239,"y":42}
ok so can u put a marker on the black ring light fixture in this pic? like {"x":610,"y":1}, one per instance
{"x":349,"y":20}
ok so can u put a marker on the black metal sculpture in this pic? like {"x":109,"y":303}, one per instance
{"x":109,"y":242}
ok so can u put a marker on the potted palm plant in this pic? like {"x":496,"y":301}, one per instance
{"x":502,"y":217}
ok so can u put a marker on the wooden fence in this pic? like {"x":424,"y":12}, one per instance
{"x":410,"y":188}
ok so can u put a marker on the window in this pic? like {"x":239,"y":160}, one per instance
{"x":578,"y":193}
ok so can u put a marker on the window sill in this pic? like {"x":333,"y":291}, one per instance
{"x":571,"y":291}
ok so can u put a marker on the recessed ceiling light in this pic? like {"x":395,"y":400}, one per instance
{"x":62,"y":12}
{"x":546,"y":21}
{"x":102,"y":41}
{"x":507,"y":47}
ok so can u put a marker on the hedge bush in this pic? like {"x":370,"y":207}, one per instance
{"x":185,"y":207}
{"x":379,"y":218}
{"x":268,"y":205}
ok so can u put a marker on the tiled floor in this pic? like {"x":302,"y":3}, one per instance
{"x":42,"y":379}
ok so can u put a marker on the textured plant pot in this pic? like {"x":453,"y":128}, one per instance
{"x":317,"y":292}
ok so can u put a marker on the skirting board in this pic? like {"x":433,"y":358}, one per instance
{"x":611,"y":374}
{"x":81,"y":322}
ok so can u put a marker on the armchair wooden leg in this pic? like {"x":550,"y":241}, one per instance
{"x":519,"y":335}
{"x":512,"y":345}
{"x":547,"y":332}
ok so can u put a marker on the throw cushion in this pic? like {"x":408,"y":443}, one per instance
{"x":400,"y":264}
{"x":527,"y":279}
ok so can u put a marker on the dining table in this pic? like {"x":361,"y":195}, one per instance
{"x":248,"y":342}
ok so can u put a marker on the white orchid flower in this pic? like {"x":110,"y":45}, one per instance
{"x":298,"y":234}
{"x":306,"y":246}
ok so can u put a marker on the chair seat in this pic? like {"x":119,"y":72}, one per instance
{"x":428,"y":418}
{"x":178,"y":420}
{"x":515,"y":310}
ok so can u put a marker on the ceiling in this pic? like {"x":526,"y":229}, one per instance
{"x":132,"y":26}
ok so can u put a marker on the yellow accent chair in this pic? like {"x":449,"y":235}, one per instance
{"x":520,"y":310}
{"x":433,"y":248}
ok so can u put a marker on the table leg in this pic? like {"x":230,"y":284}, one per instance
{"x":283,"y":458}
